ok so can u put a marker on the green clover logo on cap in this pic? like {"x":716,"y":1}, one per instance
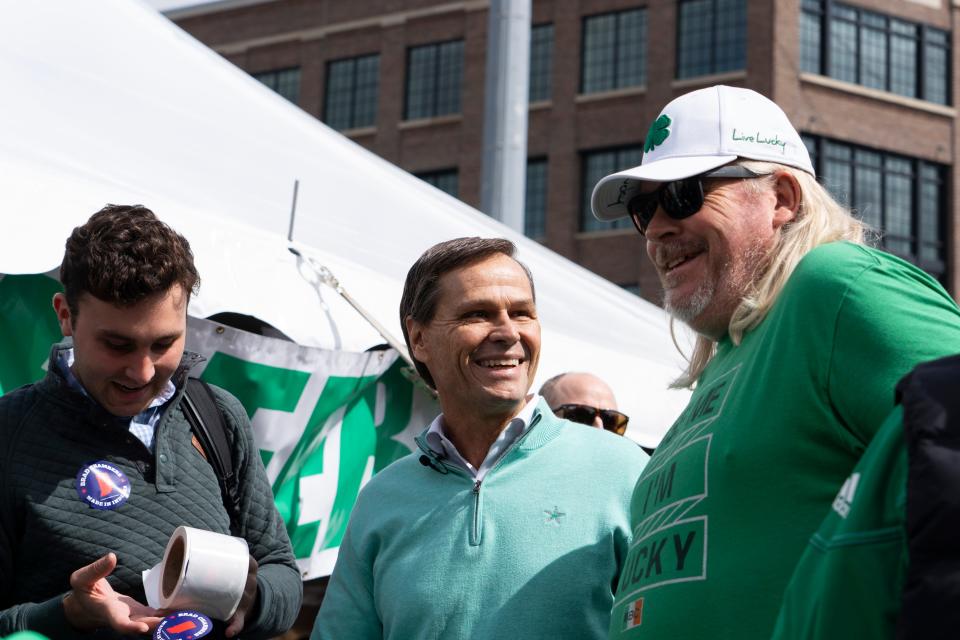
{"x":659,"y":131}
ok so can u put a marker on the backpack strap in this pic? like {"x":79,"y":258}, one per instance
{"x":206,"y":421}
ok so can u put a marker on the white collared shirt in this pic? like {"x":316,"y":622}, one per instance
{"x":143,"y":425}
{"x":518,"y":425}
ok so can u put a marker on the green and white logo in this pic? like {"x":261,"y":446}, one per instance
{"x":658,"y":133}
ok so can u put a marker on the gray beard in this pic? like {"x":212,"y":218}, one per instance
{"x":734,"y":284}
{"x":689,"y":309}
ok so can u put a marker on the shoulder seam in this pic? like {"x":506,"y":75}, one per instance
{"x":836,"y":322}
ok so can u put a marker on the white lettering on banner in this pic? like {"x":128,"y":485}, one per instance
{"x":423,"y":405}
{"x":318,"y":491}
{"x":380,"y":407}
{"x":280,"y":431}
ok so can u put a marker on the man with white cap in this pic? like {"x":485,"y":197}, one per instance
{"x":803,"y":332}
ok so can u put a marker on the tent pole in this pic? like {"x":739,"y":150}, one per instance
{"x":326,"y":277}
{"x":293,"y":209}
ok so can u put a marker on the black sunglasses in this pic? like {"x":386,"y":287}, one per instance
{"x":679,"y":198}
{"x":612,"y":420}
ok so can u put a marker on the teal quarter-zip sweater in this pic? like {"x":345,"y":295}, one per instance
{"x":532,"y":551}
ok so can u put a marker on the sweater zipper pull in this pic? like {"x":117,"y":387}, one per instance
{"x":475,"y":538}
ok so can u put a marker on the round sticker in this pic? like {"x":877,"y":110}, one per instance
{"x":183,"y":625}
{"x":102,"y":486}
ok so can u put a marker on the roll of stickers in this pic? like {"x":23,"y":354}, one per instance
{"x":200,"y":570}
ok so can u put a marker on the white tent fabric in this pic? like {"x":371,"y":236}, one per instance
{"x":108,"y":101}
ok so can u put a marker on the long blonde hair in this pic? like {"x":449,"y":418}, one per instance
{"x":820,"y":219}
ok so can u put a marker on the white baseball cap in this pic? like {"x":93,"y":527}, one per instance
{"x":700,"y":131}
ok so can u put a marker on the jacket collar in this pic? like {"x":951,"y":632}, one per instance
{"x":54,"y":385}
{"x":541,"y":413}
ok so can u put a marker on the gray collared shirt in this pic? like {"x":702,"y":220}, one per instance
{"x":438,"y":441}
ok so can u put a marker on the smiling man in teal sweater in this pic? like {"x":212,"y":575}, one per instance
{"x":508,"y":522}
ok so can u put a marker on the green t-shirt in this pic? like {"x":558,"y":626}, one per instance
{"x":729,"y":499}
{"x":849,"y":579}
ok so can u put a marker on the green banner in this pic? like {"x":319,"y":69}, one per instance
{"x":324,"y":421}
{"x":28,"y":327}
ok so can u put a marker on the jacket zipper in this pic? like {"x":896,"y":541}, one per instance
{"x":475,"y":532}
{"x":475,"y":538}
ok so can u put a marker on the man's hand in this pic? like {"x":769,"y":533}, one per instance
{"x":247,"y":600}
{"x":93,"y":604}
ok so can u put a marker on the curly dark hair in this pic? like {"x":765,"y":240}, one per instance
{"x":421,"y":290}
{"x":123,"y":255}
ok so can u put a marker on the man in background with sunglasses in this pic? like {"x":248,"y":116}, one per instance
{"x":802,"y":333}
{"x":584,"y":398}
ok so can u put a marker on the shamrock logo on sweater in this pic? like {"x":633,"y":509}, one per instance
{"x":659,"y":131}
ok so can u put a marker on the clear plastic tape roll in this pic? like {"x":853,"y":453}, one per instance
{"x":200,"y":570}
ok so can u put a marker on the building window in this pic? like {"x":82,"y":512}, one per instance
{"x":444,"y":179}
{"x":901,"y":197}
{"x":712,"y":37}
{"x":535,"y":203}
{"x":614,"y":51}
{"x":596,"y":165}
{"x":350,"y":100}
{"x":541,"y":62}
{"x":875,"y":50}
{"x":286,"y":82}
{"x":936,"y":65}
{"x":811,"y":17}
{"x":434,"y":77}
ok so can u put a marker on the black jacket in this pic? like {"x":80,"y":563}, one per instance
{"x":49,"y":432}
{"x":930,"y":395}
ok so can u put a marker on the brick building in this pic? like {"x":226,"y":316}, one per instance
{"x":869,"y":83}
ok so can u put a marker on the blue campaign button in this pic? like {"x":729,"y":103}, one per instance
{"x":102,"y":485}
{"x":183,"y":625}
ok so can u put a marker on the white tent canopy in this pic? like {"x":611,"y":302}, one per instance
{"x":107,"y":101}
